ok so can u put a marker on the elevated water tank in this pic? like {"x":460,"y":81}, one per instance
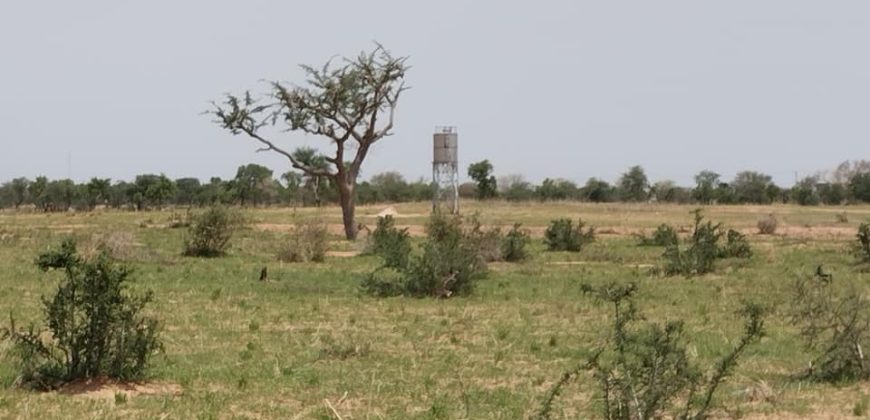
{"x":446,"y":146}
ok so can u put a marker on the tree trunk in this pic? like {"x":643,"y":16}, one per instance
{"x":348,"y":208}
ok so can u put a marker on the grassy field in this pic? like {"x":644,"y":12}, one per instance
{"x":306,"y":344}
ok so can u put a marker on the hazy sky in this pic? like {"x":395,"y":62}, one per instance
{"x":569,"y":89}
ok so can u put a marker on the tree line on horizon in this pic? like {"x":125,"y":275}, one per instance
{"x":255,"y":185}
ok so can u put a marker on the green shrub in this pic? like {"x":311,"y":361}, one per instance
{"x":450,"y":262}
{"x":842,"y":217}
{"x":736,"y":245}
{"x":448,"y":265}
{"x":487,"y":242}
{"x":645,"y":372}
{"x":513,"y":246}
{"x":768,"y":225}
{"x":862,"y":244}
{"x":834,"y":324}
{"x":391,"y":243}
{"x":95,"y":326}
{"x":664,"y":235}
{"x":703,"y":250}
{"x":209,"y":233}
{"x":562,"y":235}
{"x":308,"y":242}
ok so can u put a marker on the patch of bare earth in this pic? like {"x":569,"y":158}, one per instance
{"x":343,"y":254}
{"x":105,"y":388}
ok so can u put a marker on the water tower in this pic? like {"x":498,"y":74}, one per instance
{"x":445,"y":169}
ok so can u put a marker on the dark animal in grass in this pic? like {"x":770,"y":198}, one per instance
{"x":264,"y":274}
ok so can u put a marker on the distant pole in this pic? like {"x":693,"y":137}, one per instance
{"x":68,"y":165}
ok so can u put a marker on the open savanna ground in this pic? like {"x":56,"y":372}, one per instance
{"x":306,"y":343}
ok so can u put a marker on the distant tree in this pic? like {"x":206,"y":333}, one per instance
{"x":559,"y":189}
{"x":96,"y":191}
{"x":847,"y":170}
{"x":119,"y":194}
{"x":18,"y":189}
{"x":346,"y":105}
{"x":36,"y":191}
{"x":514,"y":187}
{"x":668,"y":191}
{"x":753,"y":187}
{"x":705,"y":186}
{"x":292,"y":191}
{"x":468,"y":190}
{"x":806,"y":192}
{"x":421,"y":190}
{"x":217,"y":191}
{"x":60,"y":195}
{"x":187,"y":190}
{"x":390,"y":186}
{"x":859,"y":187}
{"x":832,"y":194}
{"x":151,"y":190}
{"x":633,"y":185}
{"x":314,"y":183}
{"x":481,"y":173}
{"x":253,"y":184}
{"x":597,"y":191}
{"x":725,"y":194}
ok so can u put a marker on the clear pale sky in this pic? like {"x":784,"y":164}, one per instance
{"x":569,"y":89}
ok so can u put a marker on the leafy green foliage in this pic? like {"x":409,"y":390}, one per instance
{"x":754,"y":187}
{"x":209,"y":233}
{"x":95,"y":326}
{"x":481,"y":173}
{"x":488,"y":242}
{"x":449,"y":264}
{"x":704,"y":249}
{"x":645,"y":372}
{"x":835,"y":324}
{"x":736,"y":246}
{"x":351,"y":106}
{"x":513,"y":246}
{"x":806,"y":192}
{"x":664,"y":235}
{"x":562,"y":235}
{"x":862,"y":242}
{"x":308,"y":243}
{"x":391,"y":243}
{"x":705,"y":187}
{"x":634,"y":185}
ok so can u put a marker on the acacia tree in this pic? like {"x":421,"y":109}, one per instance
{"x":351,"y":105}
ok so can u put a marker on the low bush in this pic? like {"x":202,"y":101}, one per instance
{"x":448,"y":265}
{"x":118,"y":245}
{"x":834,"y":324}
{"x":513,"y":246}
{"x":562,"y":235}
{"x":487,"y":242}
{"x":645,"y":372}
{"x":842,"y":217}
{"x":736,"y":246}
{"x":209,"y":233}
{"x":390,"y":243}
{"x":704,"y":249}
{"x":95,"y":326}
{"x":862,"y":243}
{"x":768,"y":225}
{"x":308,"y":242}
{"x":664,"y":235}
